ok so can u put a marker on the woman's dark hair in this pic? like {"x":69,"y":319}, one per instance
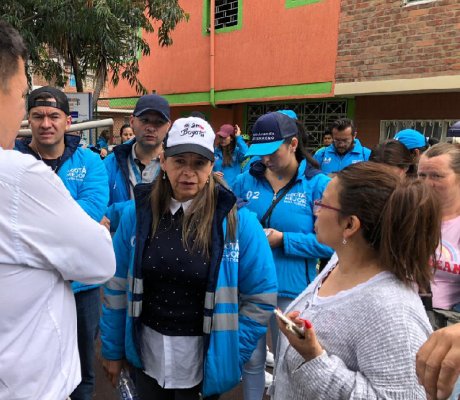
{"x":105,"y":134}
{"x":394,"y":153}
{"x":400,"y":219}
{"x":301,"y":152}
{"x":227,"y":152}
{"x":123,"y":127}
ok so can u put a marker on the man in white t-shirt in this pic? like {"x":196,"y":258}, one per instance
{"x":46,"y":241}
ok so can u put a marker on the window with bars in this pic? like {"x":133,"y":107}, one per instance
{"x":315,"y":116}
{"x":436,"y":129}
{"x":227,"y":15}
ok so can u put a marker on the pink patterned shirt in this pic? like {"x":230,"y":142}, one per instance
{"x":446,"y":286}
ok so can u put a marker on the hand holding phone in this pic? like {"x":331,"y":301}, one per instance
{"x":290,"y":325}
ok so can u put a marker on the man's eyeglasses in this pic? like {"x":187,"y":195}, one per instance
{"x":317,"y":205}
{"x":342,"y":141}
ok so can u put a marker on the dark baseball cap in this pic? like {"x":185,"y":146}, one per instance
{"x":38,"y":98}
{"x":269,"y":133}
{"x":152,"y":102}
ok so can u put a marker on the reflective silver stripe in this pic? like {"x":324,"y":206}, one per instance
{"x":225,"y":322}
{"x":256,"y":313}
{"x":136,"y":284}
{"x":115,"y":302}
{"x":261,"y":298}
{"x":227,"y":295}
{"x":209,"y":300}
{"x":134,"y":308}
{"x":222,"y":295}
{"x":207,"y":325}
{"x":116,"y":283}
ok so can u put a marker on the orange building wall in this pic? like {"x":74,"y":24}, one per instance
{"x":275,"y":46}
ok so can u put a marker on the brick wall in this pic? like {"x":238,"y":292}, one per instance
{"x":382,"y":39}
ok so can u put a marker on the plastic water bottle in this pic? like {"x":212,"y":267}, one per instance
{"x":126,"y":388}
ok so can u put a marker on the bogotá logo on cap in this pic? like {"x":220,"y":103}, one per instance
{"x":193,"y":129}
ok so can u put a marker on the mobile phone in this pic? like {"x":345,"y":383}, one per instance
{"x":290,"y":326}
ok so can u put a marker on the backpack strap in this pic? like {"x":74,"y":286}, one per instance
{"x":277,"y":199}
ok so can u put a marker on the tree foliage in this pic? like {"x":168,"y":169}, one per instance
{"x":91,"y":35}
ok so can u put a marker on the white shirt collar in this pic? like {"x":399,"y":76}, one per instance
{"x":175,"y":205}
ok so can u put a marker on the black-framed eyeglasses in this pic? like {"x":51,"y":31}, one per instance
{"x":317,"y":205}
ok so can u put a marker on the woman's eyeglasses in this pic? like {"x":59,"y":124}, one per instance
{"x":317,"y":205}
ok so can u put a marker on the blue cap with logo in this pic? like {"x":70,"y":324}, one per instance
{"x":269,"y":133}
{"x":152,"y":102}
{"x":411,"y":138}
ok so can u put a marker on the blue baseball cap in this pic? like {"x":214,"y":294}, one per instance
{"x":152,"y":102}
{"x":269,"y":133}
{"x":289,"y":113}
{"x":411,"y":138}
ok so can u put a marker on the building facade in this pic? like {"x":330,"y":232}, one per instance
{"x":388,"y":64}
{"x":400,"y":61}
{"x":258,"y":57}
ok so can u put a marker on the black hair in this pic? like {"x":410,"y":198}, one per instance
{"x":12,"y":48}
{"x":301,"y":152}
{"x":123,"y":127}
{"x":198,"y":114}
{"x":343,"y":123}
{"x":327,"y":131}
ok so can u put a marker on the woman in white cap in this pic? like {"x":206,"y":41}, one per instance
{"x":197,"y":274}
{"x":281,"y":188}
{"x":229,"y":152}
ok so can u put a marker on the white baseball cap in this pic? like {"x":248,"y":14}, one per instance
{"x":190,"y":135}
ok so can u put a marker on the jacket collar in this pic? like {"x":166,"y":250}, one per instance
{"x":121,"y":153}
{"x":71,"y":143}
